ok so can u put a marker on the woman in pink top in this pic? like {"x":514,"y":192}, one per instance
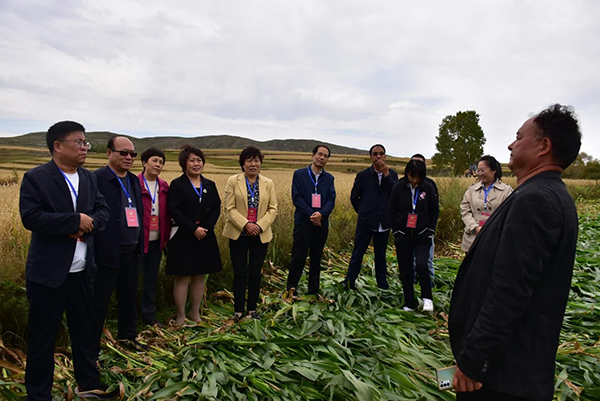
{"x":157,"y":227}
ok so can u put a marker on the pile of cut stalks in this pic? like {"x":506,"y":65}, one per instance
{"x":344,"y":345}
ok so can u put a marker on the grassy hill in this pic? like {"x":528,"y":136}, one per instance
{"x":99,"y":140}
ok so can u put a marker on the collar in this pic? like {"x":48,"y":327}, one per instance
{"x":544,"y":174}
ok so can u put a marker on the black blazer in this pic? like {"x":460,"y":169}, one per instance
{"x":107,"y":241}
{"x":185,"y":208}
{"x":370,"y":200}
{"x":511,"y":291}
{"x":427,"y":209}
{"x":47,"y":210}
{"x":187,"y":255}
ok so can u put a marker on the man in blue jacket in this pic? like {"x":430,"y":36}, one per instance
{"x":61,"y":205}
{"x":370,"y":197}
{"x":511,"y":290}
{"x":313,"y":195}
{"x":120,"y":245}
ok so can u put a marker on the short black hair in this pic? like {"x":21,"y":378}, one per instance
{"x":415,"y":168}
{"x":420,"y":156}
{"x":560,"y":124}
{"x":374,"y":146}
{"x":60,"y":131}
{"x":111,"y":142}
{"x":250,"y":152}
{"x":316,"y":149}
{"x":492,"y":164}
{"x":186,"y":151}
{"x":151,"y":152}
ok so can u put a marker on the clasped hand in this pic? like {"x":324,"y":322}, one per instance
{"x":315,"y":218}
{"x":86,"y":225}
{"x":252,"y":229}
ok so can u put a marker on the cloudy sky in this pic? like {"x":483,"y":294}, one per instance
{"x":347,"y":72}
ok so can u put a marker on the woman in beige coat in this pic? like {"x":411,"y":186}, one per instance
{"x":250,"y":209}
{"x":482,"y":198}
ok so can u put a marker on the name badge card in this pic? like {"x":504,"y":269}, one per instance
{"x":153,"y":223}
{"x":316,"y":201}
{"x":132,"y":218}
{"x":484,"y":219}
{"x":411,"y":222}
{"x":252,"y":214}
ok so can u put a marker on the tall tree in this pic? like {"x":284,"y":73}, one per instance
{"x":460,"y":142}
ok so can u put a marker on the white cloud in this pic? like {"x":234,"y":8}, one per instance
{"x":348,"y":72}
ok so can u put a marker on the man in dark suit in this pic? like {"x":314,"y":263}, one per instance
{"x":313,"y":195}
{"x":120,"y":245}
{"x":61,"y":205}
{"x":370,"y":197}
{"x":511,"y":291}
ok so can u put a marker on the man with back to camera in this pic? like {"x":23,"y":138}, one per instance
{"x":420,"y":157}
{"x":120,"y":245}
{"x":370,"y":197}
{"x":313,"y":195}
{"x":61,"y":205}
{"x":511,"y":290}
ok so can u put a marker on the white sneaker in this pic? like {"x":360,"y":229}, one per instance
{"x":407,"y":309}
{"x":427,"y":305}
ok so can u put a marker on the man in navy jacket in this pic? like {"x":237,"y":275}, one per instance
{"x":313,"y":195}
{"x":61,"y":205}
{"x":120,"y":245}
{"x":511,"y":290}
{"x":370,"y":197}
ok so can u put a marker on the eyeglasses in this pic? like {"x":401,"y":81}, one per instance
{"x":79,"y":143}
{"x":378,"y":153}
{"x":124,"y":153}
{"x":321,"y":154}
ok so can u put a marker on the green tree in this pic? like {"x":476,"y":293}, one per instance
{"x":459,"y":143}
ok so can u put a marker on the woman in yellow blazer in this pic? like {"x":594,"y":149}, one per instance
{"x":250,"y":209}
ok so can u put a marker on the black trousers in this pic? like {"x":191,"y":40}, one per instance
{"x":46,"y":307}
{"x":307,"y":238}
{"x":405,"y":249}
{"x":484,"y":394}
{"x":124,"y":280}
{"x":150,"y":265}
{"x":361,"y":243}
{"x":247,"y":257}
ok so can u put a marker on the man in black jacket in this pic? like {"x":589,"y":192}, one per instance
{"x":61,"y":205}
{"x":119,"y":246}
{"x":511,"y":291}
{"x":370,"y":197}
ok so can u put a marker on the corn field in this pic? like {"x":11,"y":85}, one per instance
{"x":356,"y":345}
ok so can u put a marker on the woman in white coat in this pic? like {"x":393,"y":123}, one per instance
{"x":482,"y":198}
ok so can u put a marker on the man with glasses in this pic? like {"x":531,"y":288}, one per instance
{"x":370,"y":197}
{"x":313,"y":195}
{"x":61,"y":205}
{"x":119,"y":246}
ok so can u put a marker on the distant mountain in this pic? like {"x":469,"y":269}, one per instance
{"x":99,"y":140}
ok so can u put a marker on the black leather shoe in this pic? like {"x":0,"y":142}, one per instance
{"x":100,"y":393}
{"x":134,"y":345}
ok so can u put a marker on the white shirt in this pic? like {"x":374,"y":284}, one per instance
{"x":152,"y":189}
{"x":80,"y":255}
